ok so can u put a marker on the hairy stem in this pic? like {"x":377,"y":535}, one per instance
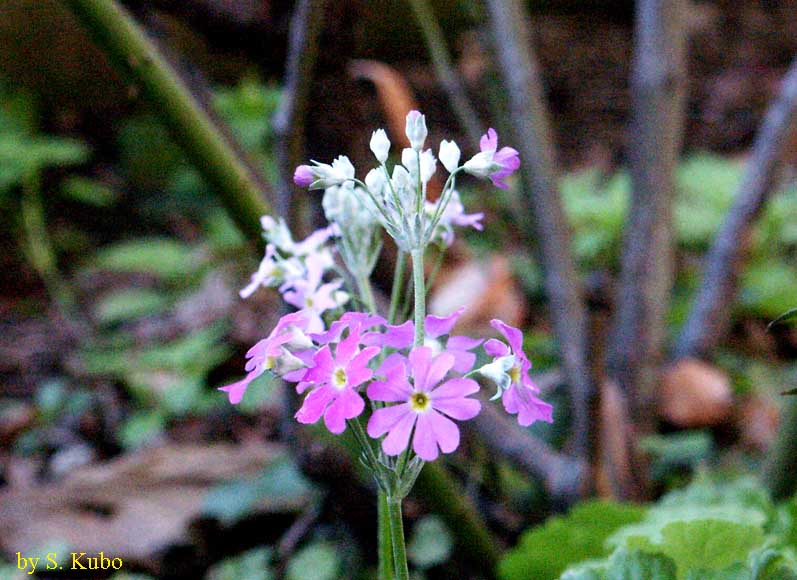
{"x":398,"y":282}
{"x":385,"y":571}
{"x":397,"y":537}
{"x":132,"y":52}
{"x":419,"y":288}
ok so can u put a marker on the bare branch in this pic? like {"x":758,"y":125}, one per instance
{"x":542,"y":204}
{"x":441,"y":60}
{"x":563,"y":476}
{"x":634,"y":353}
{"x":710,"y":315}
{"x":289,"y":120}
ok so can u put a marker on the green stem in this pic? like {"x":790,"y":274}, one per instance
{"x":419,"y":287}
{"x":385,"y":540}
{"x":397,"y":536}
{"x":212,"y":154}
{"x":398,"y":280}
{"x":366,"y":293}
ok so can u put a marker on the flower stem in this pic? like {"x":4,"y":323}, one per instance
{"x":385,"y":540}
{"x":398,"y":280}
{"x":397,"y":536}
{"x":419,"y":285}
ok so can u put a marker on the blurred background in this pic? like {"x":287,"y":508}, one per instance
{"x":122,"y":259}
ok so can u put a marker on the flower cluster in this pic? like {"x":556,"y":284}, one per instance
{"x":400,"y":388}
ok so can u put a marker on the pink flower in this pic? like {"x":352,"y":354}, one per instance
{"x":520,"y":396}
{"x":303,"y":176}
{"x":334,"y":379}
{"x":435,"y":327}
{"x":425,"y":409}
{"x":267,"y":354}
{"x":491,"y":162}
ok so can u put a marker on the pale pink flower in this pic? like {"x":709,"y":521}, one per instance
{"x":425,"y":407}
{"x":303,"y":176}
{"x":520,"y":397}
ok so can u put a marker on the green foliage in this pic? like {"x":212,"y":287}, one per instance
{"x":431,"y":543}
{"x":252,"y":565}
{"x":685,"y":449}
{"x":545,"y":552}
{"x":319,"y":561}
{"x":706,"y":531}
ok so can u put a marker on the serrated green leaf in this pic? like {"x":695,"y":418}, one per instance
{"x":431,"y":543}
{"x":703,"y":544}
{"x":317,"y":561}
{"x":546,"y":551}
{"x":252,"y":565}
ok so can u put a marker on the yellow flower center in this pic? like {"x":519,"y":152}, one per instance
{"x":420,"y":402}
{"x":514,"y":374}
{"x":308,"y":302}
{"x":339,"y":377}
{"x":270,"y":363}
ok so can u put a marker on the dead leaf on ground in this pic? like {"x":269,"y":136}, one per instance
{"x":136,"y":506}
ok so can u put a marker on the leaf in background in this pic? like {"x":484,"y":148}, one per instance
{"x":317,"y":561}
{"x":281,"y":484}
{"x":431,"y":543}
{"x":772,"y":564}
{"x":88,"y":191}
{"x":625,"y":565}
{"x":140,"y":428}
{"x":788,"y":315}
{"x":673,"y":450}
{"x":703,"y":544}
{"x":768,"y":287}
{"x":163,"y":257}
{"x":129,"y":304}
{"x":252,"y":565}
{"x":545,"y":551}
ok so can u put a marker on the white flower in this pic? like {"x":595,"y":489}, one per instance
{"x":380,"y":145}
{"x":428,"y":165}
{"x":376,"y":182}
{"x":449,"y":155}
{"x":498,"y":372}
{"x":327,"y":175}
{"x":416,"y":129}
{"x":482,"y":164}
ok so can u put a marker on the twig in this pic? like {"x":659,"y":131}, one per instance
{"x":289,"y":119}
{"x":542,"y":204}
{"x":634,"y":352}
{"x":709,"y":318}
{"x":441,"y":60}
{"x":134,"y":54}
{"x":564,"y":477}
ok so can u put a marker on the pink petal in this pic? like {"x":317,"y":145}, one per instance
{"x":390,"y":391}
{"x":400,"y":336}
{"x":455,"y":388}
{"x":315,"y":404}
{"x":489,"y":141}
{"x":347,"y":405}
{"x":384,"y":419}
{"x":399,"y":436}
{"x":512,"y":334}
{"x":435,"y":326}
{"x":348,"y":346}
{"x":235,"y":391}
{"x":423,"y":441}
{"x":446,"y":432}
{"x":463,"y":343}
{"x":496,"y":348}
{"x":459,"y":409}
{"x":393,"y":360}
{"x":323,"y":366}
{"x":420,"y":358}
{"x":463,"y":360}
{"x":438,"y":369}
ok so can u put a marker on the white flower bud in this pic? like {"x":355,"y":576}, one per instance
{"x":416,"y":129}
{"x":409,"y":159}
{"x":428,"y":165}
{"x":380,"y":145}
{"x":482,"y":164}
{"x":449,"y":155}
{"x":327,"y":175}
{"x":376,"y":182}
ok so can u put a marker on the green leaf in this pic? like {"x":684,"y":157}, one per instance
{"x":772,"y":564}
{"x":431,"y":543}
{"x":703,"y":544}
{"x":546,"y":551}
{"x":163,"y":257}
{"x":735,"y":572}
{"x":88,"y":191}
{"x":142,"y":427}
{"x":317,"y":561}
{"x":625,"y":565}
{"x":130,"y":303}
{"x":252,"y":565}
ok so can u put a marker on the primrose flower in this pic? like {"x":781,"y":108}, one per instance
{"x":453,"y":215}
{"x":325,"y":175}
{"x":273,"y":353}
{"x":425,"y":407}
{"x":273,"y":271}
{"x":435,"y":327}
{"x":416,"y":129}
{"x":510,"y":371}
{"x":492,"y":163}
{"x":334,"y":380}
